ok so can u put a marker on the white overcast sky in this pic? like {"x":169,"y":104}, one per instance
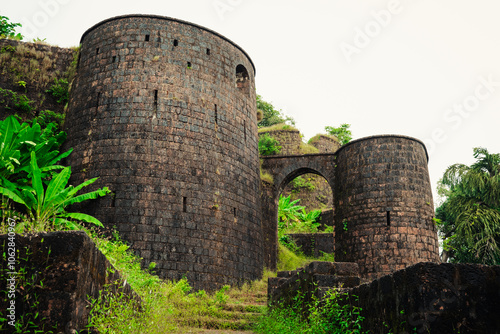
{"x":429,"y":69}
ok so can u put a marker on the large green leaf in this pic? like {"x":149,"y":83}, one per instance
{"x":83,"y":217}
{"x":36,"y":181}
{"x":12,"y":195}
{"x":57,"y":185}
{"x":85,"y":197}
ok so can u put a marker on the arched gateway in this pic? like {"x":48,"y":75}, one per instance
{"x":382,"y":198}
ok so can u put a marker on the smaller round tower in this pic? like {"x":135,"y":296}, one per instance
{"x":383,"y":205}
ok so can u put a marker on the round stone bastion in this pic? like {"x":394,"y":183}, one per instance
{"x":164,"y":113}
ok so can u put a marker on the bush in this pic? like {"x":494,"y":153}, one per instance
{"x":268,"y":145}
{"x":60,"y":90}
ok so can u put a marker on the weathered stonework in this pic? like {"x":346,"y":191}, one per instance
{"x":164,"y":112}
{"x":45,"y":62}
{"x":423,"y":298}
{"x":314,"y":244}
{"x":432,"y":298}
{"x":289,"y":140}
{"x":383,"y":201}
{"x":383,"y":205}
{"x":313,"y":280}
{"x":57,"y":275}
{"x":326,"y":144}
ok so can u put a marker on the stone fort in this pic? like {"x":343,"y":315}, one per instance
{"x":163,"y":112}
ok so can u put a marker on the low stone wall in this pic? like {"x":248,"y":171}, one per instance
{"x":424,"y":298}
{"x":433,"y":298}
{"x":313,"y":280}
{"x":54,"y":275}
{"x":314,"y":244}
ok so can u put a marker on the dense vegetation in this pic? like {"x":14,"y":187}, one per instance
{"x":469,"y":219}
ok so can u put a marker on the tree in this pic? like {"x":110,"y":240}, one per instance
{"x":342,"y":133}
{"x":270,"y":115}
{"x":8,"y":29}
{"x":469,"y":219}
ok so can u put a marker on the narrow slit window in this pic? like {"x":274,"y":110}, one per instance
{"x":146,"y":38}
{"x":114,"y":59}
{"x":113,"y":200}
{"x":245,"y":129}
{"x":215,"y":115}
{"x":176,"y":42}
{"x":97,"y":51}
{"x":388,"y":218}
{"x":208,"y":51}
{"x":156,"y":99}
{"x":234,"y":212}
{"x":184,"y":204}
{"x":189,"y":65}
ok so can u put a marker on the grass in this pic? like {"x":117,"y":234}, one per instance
{"x":318,"y":136}
{"x":172,"y":307}
{"x":307,"y":149}
{"x":278,"y":127}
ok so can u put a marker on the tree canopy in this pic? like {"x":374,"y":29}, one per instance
{"x":469,"y":219}
{"x":342,"y":133}
{"x":8,"y":29}
{"x":271,"y":116}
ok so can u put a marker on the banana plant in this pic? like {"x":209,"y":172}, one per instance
{"x":46,"y":205}
{"x":16,"y":143}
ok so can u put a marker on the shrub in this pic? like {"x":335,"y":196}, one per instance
{"x":60,"y":90}
{"x":268,"y":145}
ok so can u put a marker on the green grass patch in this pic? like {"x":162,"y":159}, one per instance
{"x":278,"y":127}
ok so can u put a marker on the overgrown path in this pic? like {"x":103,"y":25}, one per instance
{"x":238,"y":315}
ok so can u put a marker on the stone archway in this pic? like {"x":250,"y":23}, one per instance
{"x":284,"y":169}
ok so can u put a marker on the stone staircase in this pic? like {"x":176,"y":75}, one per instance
{"x":238,"y":315}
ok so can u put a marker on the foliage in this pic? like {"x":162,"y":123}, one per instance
{"x":13,"y":100}
{"x":300,"y":183}
{"x":268,"y":145}
{"x":293,"y":218}
{"x":17,"y":141}
{"x":8,"y":29}
{"x":342,"y":133}
{"x":469,"y":219}
{"x":289,"y":256}
{"x":60,"y":90}
{"x":307,"y":149}
{"x":46,"y":117}
{"x":331,"y":314}
{"x":28,"y":284}
{"x":166,"y":306}
{"x":46,"y":205}
{"x":270,"y":115}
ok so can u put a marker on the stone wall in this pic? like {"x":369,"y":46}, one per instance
{"x":37,"y":65}
{"x":313,"y":280}
{"x":433,"y":298}
{"x":164,"y":112}
{"x":383,"y":205}
{"x":325,"y":144}
{"x":289,"y":140}
{"x":56,"y":274}
{"x":423,"y":298}
{"x":314,"y":244}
